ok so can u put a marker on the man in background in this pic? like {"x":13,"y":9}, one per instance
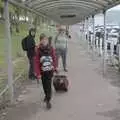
{"x":61,"y":47}
{"x":28,"y":45}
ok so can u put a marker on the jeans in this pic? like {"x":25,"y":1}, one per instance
{"x":46,"y":78}
{"x":63,"y":54}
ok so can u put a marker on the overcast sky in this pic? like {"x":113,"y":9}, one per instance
{"x":115,"y":8}
{"x":99,"y":17}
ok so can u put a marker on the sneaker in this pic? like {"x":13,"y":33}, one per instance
{"x":48,"y":105}
{"x":45,"y":99}
{"x":38,"y":82}
{"x":31,"y":78}
{"x":65,"y":70}
{"x":34,"y":77}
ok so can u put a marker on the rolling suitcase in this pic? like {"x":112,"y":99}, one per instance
{"x":60,"y":83}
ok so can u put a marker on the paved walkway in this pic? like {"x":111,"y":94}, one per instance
{"x":90,"y":97}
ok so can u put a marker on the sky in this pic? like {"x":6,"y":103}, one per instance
{"x":115,"y":8}
{"x":99,"y":17}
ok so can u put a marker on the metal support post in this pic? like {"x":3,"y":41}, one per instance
{"x":87,"y":31}
{"x":105,"y":45}
{"x":93,"y":40}
{"x":9,"y":50}
{"x":119,"y":55}
{"x":112,"y":53}
{"x":100,"y":47}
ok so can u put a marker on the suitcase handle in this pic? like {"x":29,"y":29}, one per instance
{"x":58,"y":73}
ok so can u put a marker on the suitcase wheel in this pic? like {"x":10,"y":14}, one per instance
{"x":66,"y":90}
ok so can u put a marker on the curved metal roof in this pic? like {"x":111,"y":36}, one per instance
{"x":67,"y":11}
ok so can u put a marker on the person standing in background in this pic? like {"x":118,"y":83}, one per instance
{"x":28,"y":45}
{"x":61,"y":47}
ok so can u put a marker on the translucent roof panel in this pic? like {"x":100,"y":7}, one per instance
{"x":67,"y":11}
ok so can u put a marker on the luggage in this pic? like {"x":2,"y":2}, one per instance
{"x":60,"y":83}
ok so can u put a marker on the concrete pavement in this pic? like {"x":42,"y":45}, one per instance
{"x":90,"y":96}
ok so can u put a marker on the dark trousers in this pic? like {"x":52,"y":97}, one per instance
{"x":46,"y":82}
{"x":31,"y":68}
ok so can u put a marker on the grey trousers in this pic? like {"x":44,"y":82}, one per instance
{"x":63,"y":54}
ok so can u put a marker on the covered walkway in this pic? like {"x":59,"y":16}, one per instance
{"x":90,"y":97}
{"x":65,"y":12}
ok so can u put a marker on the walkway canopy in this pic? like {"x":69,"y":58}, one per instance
{"x":62,"y":11}
{"x":66,"y":11}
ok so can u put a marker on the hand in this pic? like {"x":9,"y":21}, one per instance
{"x":38,"y":82}
{"x":38,"y":77}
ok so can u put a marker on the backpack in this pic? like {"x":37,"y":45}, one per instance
{"x":46,"y":60}
{"x":24,"y":44}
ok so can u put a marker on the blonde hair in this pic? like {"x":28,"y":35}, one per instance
{"x":42,"y":36}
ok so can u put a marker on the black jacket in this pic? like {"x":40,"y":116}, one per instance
{"x":30,"y":45}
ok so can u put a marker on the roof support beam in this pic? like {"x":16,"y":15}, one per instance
{"x":44,"y":7}
{"x":82,"y":3}
{"x":94,"y":3}
{"x":112,"y":5}
{"x":27,"y":8}
{"x":65,"y":5}
{"x":55,"y":9}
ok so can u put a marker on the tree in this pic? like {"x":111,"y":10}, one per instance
{"x":17,"y":13}
{"x":35,"y":21}
{"x":25,"y":14}
{"x":1,"y":9}
{"x":15,"y":16}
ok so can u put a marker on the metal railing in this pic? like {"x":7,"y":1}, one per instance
{"x":7,"y":87}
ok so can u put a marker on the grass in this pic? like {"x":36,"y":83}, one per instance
{"x":18,"y":68}
{"x":16,"y":44}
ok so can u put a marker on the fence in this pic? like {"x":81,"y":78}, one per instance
{"x":96,"y":49}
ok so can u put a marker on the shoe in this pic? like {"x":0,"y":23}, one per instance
{"x":45,"y":99}
{"x":48,"y":105}
{"x":38,"y":82}
{"x":65,"y":70}
{"x":30,"y":77}
{"x":33,"y":77}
